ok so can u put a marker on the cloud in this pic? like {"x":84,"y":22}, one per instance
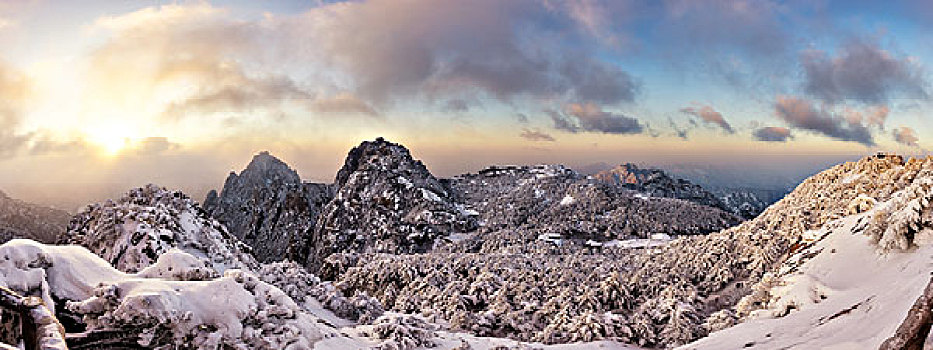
{"x":906,"y":136}
{"x":749,"y":25}
{"x":773,"y":134}
{"x":864,"y":72}
{"x":801,"y":113}
{"x":710,"y":116}
{"x":522,"y":118}
{"x":536,"y":135}
{"x":45,"y":144}
{"x":344,"y":103}
{"x":591,"y":118}
{"x":153,"y":146}
{"x":743,"y":43}
{"x":505,"y":49}
{"x":678,"y":131}
{"x":456,"y":105}
{"x":232,"y":91}
{"x":872,"y":115}
{"x":183,"y":61}
{"x":15,"y":89}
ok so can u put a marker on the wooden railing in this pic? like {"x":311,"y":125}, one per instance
{"x":915,"y":330}
{"x":39,"y":328}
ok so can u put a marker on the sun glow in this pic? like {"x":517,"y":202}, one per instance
{"x":111,"y":139}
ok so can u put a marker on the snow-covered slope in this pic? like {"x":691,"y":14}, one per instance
{"x":846,"y":296}
{"x":162,"y":311}
{"x":853,"y":281}
{"x":131,"y":232}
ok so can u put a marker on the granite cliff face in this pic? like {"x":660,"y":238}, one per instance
{"x":268,"y":207}
{"x":386,"y":202}
{"x":19,"y":219}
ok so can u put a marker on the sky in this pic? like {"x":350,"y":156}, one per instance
{"x":99,"y":96}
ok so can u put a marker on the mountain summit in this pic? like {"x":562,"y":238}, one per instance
{"x":267,"y":206}
{"x":386,"y":202}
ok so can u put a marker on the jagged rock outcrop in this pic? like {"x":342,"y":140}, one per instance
{"x":268,"y":207}
{"x":131,"y":232}
{"x":386,"y":202}
{"x":19,"y":219}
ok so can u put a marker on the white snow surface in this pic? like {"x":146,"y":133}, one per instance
{"x":235,"y":310}
{"x":205,"y":310}
{"x":841,"y":293}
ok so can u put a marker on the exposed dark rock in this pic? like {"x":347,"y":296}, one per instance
{"x":915,"y":331}
{"x":268,"y":207}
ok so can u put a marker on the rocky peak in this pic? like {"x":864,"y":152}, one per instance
{"x":387,"y":202}
{"x":386,"y":157}
{"x":265,"y":168}
{"x":267,"y":206}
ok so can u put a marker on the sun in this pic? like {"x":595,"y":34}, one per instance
{"x":111,"y":138}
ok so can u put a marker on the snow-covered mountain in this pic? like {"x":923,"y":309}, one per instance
{"x":19,"y":219}
{"x":678,"y":292}
{"x":521,"y":203}
{"x":850,"y":282}
{"x":515,"y":256}
{"x":268,"y":207}
{"x":130,"y":233}
{"x":386,"y":202}
{"x":657,"y":183}
{"x":746,"y":203}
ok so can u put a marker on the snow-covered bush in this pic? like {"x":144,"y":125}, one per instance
{"x":498,"y":284}
{"x":402,"y":332}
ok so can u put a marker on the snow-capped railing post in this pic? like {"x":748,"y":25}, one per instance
{"x":40,"y":329}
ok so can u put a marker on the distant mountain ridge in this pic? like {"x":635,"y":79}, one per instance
{"x":19,"y":219}
{"x":384,"y":200}
{"x":658,"y":183}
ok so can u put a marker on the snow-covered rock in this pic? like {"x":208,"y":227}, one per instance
{"x":131,"y":232}
{"x":235,"y":310}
